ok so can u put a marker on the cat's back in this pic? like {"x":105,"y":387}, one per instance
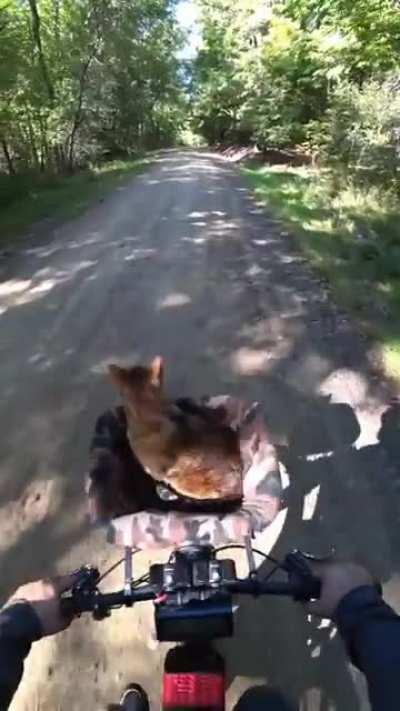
{"x":207,"y":462}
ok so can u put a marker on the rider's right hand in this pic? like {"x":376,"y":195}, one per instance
{"x":43,"y":596}
{"x":337,"y":580}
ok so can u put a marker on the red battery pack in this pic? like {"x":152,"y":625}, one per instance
{"x":193,"y":690}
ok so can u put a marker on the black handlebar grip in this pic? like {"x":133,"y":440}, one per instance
{"x":309,"y":589}
{"x":307,"y":586}
{"x":68,"y":608}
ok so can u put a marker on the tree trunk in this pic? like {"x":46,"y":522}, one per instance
{"x":32,"y":138}
{"x":78,"y":112}
{"x":56,"y":21}
{"x":60,"y":158}
{"x":38,"y":41}
{"x":45,"y":156}
{"x":7,"y":156}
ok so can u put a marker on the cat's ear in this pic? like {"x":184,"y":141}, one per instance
{"x":157,"y":372}
{"x":117,"y":374}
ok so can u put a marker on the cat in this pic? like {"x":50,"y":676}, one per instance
{"x":189,"y":450}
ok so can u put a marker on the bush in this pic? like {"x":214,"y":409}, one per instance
{"x":361,"y":134}
{"x":286,"y":86}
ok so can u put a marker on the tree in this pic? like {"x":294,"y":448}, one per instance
{"x":36,"y":32}
{"x":268,"y":73}
{"x":83,"y":79}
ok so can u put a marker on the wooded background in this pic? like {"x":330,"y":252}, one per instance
{"x":85,"y":80}
{"x":320,"y":74}
{"x":82,"y":80}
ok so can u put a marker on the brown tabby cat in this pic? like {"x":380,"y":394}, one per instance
{"x":194,"y":454}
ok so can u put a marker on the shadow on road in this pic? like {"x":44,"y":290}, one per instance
{"x":356,"y":511}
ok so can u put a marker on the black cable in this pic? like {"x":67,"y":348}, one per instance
{"x":271,"y":573}
{"x":115,"y":565}
{"x":143,"y":579}
{"x":255,"y":550}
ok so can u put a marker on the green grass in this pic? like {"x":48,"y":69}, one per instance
{"x":27,"y":199}
{"x":351,"y":236}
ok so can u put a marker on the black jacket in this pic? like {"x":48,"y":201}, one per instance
{"x":371,"y":631}
{"x":19,"y":627}
{"x":369,"y":627}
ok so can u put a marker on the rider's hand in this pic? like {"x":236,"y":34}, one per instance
{"x":44,"y":597}
{"x":337,"y":580}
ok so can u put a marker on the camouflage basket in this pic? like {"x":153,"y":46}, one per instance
{"x":140,"y":515}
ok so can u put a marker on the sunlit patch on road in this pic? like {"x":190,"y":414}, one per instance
{"x":173,"y":300}
{"x":250,"y":361}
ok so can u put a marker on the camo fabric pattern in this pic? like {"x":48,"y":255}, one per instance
{"x":159,"y":525}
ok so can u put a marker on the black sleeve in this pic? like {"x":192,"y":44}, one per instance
{"x":19,"y":627}
{"x":371,"y":630}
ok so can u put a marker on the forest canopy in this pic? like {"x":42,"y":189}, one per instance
{"x":321,"y":74}
{"x":86,"y":80}
{"x":81,"y":80}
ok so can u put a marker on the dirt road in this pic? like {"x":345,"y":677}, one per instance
{"x":183,"y":262}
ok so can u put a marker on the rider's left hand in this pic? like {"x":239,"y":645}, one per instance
{"x":44,"y":597}
{"x":338,"y":579}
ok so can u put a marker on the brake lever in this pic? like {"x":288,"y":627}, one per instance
{"x":318,"y":558}
{"x":300,"y":574}
{"x":86,"y":579}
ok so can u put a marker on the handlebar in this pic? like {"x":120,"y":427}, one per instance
{"x":97,"y":602}
{"x":101,"y":603}
{"x":299,"y":590}
{"x":198,"y":587}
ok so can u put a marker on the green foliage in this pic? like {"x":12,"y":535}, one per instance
{"x":82,"y":79}
{"x":361,"y":134}
{"x":30,"y":198}
{"x":310,"y":72}
{"x":371,"y":29}
{"x":218,"y":86}
{"x":351,"y":236}
{"x":190,"y":139}
{"x":289,"y":87}
{"x":259,"y":75}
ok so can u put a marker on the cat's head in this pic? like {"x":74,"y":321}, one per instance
{"x":140,"y":386}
